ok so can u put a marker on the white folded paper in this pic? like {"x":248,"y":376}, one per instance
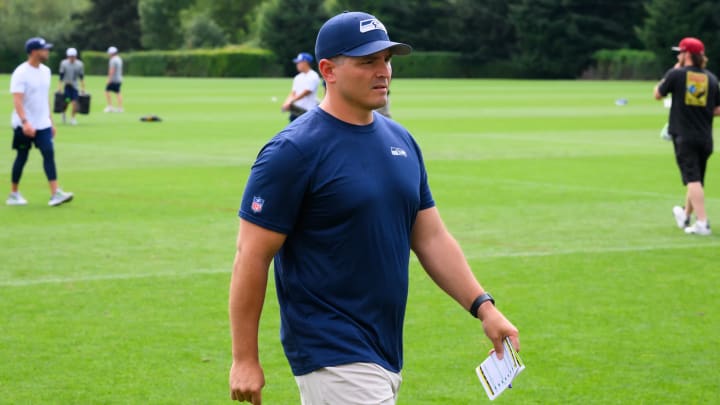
{"x":497,"y":375}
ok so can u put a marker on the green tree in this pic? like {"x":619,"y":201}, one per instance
{"x":22,"y":19}
{"x":160,"y":23}
{"x":556,"y":38}
{"x":426,"y":25}
{"x":235,"y":17}
{"x":667,"y":22}
{"x":107,"y":23}
{"x":201,"y":31}
{"x":482,"y":30}
{"x":288,"y":27}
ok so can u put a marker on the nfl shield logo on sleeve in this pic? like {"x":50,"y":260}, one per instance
{"x":257,"y":205}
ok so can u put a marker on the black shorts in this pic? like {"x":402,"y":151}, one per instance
{"x":691,"y":155}
{"x":43,"y":139}
{"x":71,"y":93}
{"x":114,"y":87}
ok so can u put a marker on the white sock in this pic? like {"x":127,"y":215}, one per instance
{"x":701,"y":223}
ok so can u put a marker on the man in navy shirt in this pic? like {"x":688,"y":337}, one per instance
{"x":338,"y":199}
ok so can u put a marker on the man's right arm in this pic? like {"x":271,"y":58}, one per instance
{"x":256,"y":247}
{"x":20,"y":110}
{"x":663,"y":87}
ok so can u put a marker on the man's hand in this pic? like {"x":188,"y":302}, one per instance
{"x":497,"y":327}
{"x":246,"y":382}
{"x":28,"y":129}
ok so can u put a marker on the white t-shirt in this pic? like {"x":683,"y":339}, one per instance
{"x":117,"y":63}
{"x":34,"y":84}
{"x":306,"y":81}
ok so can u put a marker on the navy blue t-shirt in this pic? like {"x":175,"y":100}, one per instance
{"x":347,"y":197}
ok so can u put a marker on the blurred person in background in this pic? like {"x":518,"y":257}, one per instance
{"x":695,"y":102}
{"x":114,"y":80}
{"x":31,"y":121}
{"x":71,"y":73}
{"x":303,"y":95}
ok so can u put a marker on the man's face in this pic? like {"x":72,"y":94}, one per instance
{"x":42,"y":54}
{"x":302,"y":66}
{"x":681,"y":59}
{"x":364,"y":80}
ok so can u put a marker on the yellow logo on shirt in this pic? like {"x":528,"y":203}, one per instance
{"x":696,"y":89}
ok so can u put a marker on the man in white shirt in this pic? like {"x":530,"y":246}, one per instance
{"x":31,"y":121}
{"x":303,"y":96}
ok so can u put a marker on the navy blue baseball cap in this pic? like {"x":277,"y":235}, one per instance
{"x":303,"y":57}
{"x":36,"y":43}
{"x":355,"y":33}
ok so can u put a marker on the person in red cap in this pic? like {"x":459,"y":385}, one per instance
{"x":695,"y":102}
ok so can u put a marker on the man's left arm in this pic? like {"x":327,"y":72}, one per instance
{"x":443,"y":260}
{"x":293,"y":97}
{"x":81,"y":76}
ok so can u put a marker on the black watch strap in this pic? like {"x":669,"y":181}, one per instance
{"x":479,"y":301}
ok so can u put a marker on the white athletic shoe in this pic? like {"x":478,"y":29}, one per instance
{"x":73,"y":121}
{"x":16,"y":199}
{"x":60,"y":197}
{"x":118,"y":110}
{"x":681,"y":219}
{"x":699,"y":229}
{"x":108,"y":109}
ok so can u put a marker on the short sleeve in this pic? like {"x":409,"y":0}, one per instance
{"x":61,"y":70}
{"x":314,"y":82}
{"x":307,"y":82}
{"x":666,"y":83}
{"x":426,"y":198}
{"x":276,"y":187}
{"x":18,"y":83}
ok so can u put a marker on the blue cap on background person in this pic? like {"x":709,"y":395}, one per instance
{"x":303,"y":57}
{"x":36,"y":43}
{"x":355,"y":34}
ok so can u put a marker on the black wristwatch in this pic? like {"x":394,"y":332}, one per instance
{"x":479,"y":301}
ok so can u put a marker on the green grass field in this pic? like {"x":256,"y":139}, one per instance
{"x":560,"y":199}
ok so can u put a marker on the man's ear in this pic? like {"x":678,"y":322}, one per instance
{"x":327,"y":70}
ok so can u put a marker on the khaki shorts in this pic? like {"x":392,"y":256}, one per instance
{"x":349,"y":384}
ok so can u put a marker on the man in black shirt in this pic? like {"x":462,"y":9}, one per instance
{"x":695,"y":101}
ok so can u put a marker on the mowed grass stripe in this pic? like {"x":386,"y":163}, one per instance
{"x":83,"y":278}
{"x":560,"y":199}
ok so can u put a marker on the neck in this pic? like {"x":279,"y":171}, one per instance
{"x":34,"y":62}
{"x":347,"y":113}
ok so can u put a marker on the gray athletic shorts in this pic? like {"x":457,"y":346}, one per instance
{"x":350,"y":384}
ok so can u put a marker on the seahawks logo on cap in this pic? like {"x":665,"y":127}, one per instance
{"x":370,"y":25}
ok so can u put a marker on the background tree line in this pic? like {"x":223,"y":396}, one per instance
{"x":533,"y":38}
